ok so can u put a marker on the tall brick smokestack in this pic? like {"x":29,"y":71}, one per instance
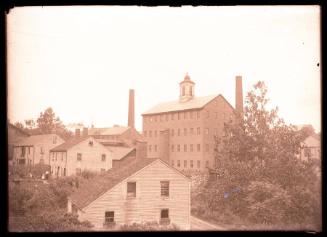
{"x":239,"y":95}
{"x":131,"y":109}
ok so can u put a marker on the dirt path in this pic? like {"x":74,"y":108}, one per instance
{"x":197,"y":224}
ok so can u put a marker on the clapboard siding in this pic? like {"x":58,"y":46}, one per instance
{"x":148,"y":202}
{"x":91,"y":158}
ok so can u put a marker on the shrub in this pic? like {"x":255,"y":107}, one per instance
{"x":148,"y":226}
{"x":88,"y":174}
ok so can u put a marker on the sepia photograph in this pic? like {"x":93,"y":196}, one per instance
{"x":135,"y":118}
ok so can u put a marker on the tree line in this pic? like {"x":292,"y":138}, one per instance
{"x":259,"y":180}
{"x":46,"y":123}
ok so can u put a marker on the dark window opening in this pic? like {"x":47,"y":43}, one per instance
{"x":164,"y":217}
{"x":131,"y":189}
{"x":109,"y":218}
{"x":164,"y":188}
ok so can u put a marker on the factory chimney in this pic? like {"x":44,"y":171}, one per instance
{"x":131,"y":109}
{"x":239,"y":95}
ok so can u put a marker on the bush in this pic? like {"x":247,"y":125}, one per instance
{"x":149,"y":226}
{"x":88,"y":174}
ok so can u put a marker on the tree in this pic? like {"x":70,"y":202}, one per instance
{"x":19,"y":125}
{"x":30,"y":123}
{"x":257,"y":168}
{"x":49,"y":123}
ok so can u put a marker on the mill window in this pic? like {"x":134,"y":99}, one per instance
{"x":185,"y":148}
{"x":164,"y":188}
{"x":207,"y":147}
{"x":164,"y":217}
{"x":191,"y":147}
{"x":185,"y":163}
{"x":199,"y":164}
{"x":198,"y":147}
{"x":131,"y":189}
{"x":191,"y":163}
{"x":109,"y":217}
{"x":79,"y":156}
{"x":103,"y":157}
{"x":178,"y":163}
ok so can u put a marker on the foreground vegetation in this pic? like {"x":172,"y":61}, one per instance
{"x":38,"y":206}
{"x":259,"y":182}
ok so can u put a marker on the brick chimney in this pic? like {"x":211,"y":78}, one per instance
{"x":141,"y":149}
{"x":131,"y":109}
{"x":77,"y":132}
{"x":239,"y":95}
{"x":85,"y":132}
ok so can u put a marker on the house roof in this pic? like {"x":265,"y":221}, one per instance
{"x":195,"y":103}
{"x":115,"y":130}
{"x":35,"y":139}
{"x":69,"y":144}
{"x":19,"y":129}
{"x":120,"y":152}
{"x":91,"y":189}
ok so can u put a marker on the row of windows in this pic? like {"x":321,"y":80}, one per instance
{"x":172,"y":116}
{"x":181,"y":115}
{"x":178,"y":147}
{"x":57,"y":155}
{"x":181,"y":132}
{"x":109,"y":217}
{"x":79,"y":157}
{"x":27,"y":150}
{"x":192,"y":164}
{"x":164,"y":189}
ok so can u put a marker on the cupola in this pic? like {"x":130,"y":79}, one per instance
{"x":186,"y":89}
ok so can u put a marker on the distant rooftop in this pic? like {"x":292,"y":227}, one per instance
{"x":115,"y":130}
{"x":176,"y":105}
{"x":70,"y":143}
{"x":36,"y":139}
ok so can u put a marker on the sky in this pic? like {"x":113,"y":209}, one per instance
{"x":82,"y":60}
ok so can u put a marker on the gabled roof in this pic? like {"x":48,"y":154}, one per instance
{"x":36,"y":139}
{"x":195,"y":103}
{"x":91,"y":189}
{"x":115,"y":130}
{"x":120,"y":152}
{"x":70,"y":143}
{"x":18,"y":129}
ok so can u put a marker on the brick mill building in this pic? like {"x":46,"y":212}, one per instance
{"x":182,"y":132}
